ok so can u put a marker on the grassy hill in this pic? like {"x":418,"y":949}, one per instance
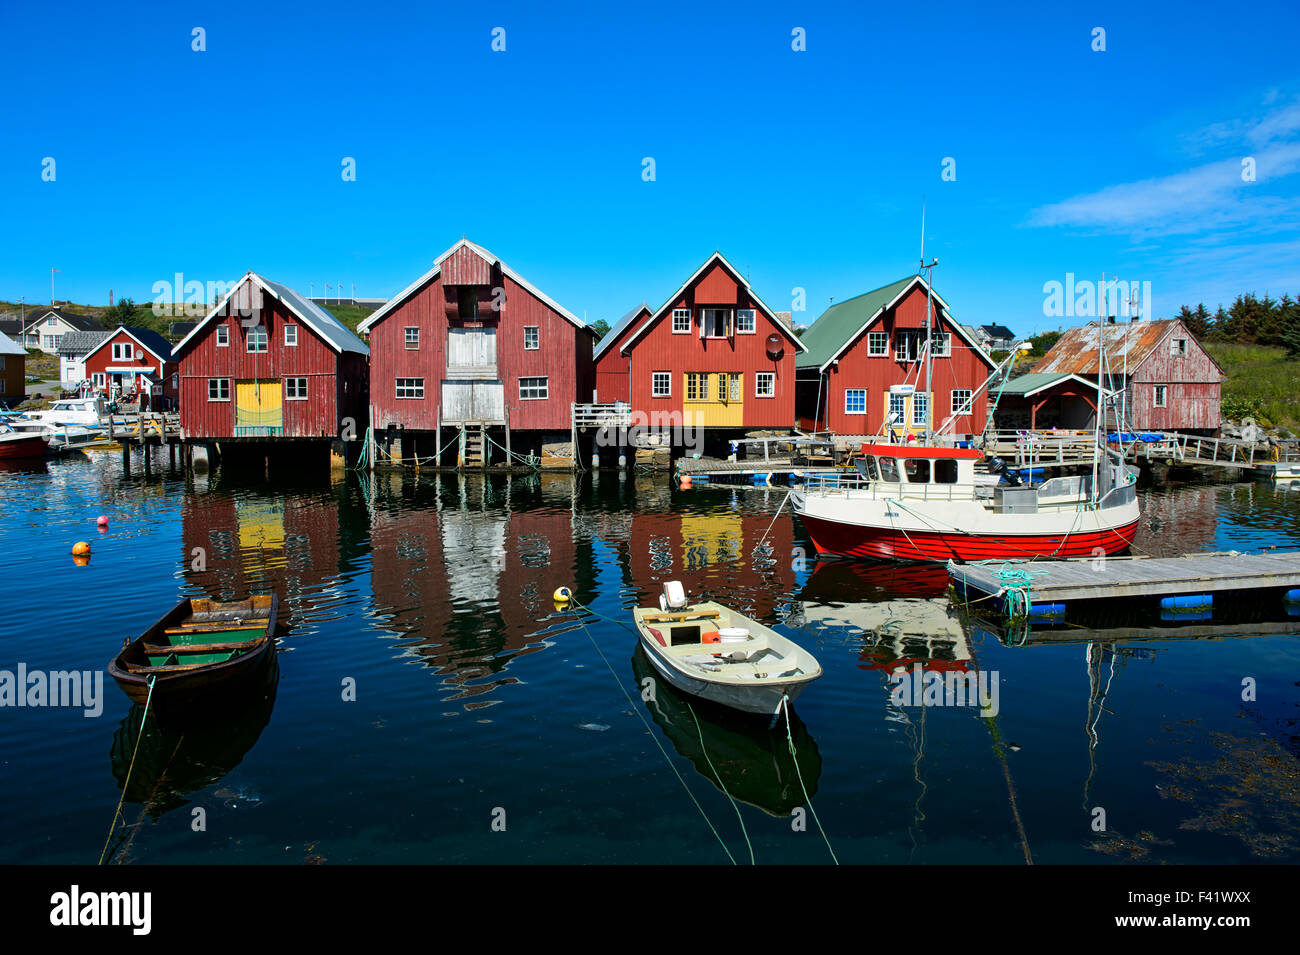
{"x":348,"y":315}
{"x":1260,"y":382}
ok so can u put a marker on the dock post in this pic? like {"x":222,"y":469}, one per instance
{"x":370,"y":441}
{"x":508,"y":457}
{"x":437,"y":439}
{"x":573,"y":435}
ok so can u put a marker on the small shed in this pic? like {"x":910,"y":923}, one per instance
{"x":1046,"y":400}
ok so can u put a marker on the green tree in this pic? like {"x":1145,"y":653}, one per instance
{"x":125,"y":312}
{"x":601,"y":328}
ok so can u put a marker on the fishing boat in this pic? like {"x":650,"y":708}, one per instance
{"x":17,"y":445}
{"x":717,"y":654}
{"x":200,"y":651}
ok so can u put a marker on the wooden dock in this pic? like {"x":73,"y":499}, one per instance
{"x":1084,"y":579}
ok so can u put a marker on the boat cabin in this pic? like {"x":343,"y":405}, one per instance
{"x":915,"y":464}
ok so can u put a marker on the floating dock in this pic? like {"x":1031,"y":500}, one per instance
{"x":1179,"y":584}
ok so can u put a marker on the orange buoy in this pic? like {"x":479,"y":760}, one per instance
{"x":81,"y":561}
{"x":686,"y":482}
{"x":81,"y":549}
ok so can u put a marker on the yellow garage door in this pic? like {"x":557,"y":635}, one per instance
{"x":257,"y":408}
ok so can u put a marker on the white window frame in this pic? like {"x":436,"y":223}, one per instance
{"x":770,"y":378}
{"x":880,"y":338}
{"x":920,"y":400}
{"x":1179,"y":348}
{"x":855,"y":391}
{"x":537,"y":337}
{"x":263,"y":337}
{"x":117,"y":354}
{"x":545,"y":388}
{"x":412,"y":343}
{"x":219,"y":382}
{"x":223,"y":336}
{"x":701,"y":380}
{"x":413,"y":385}
{"x":99,"y":379}
{"x":899,"y":398}
{"x":287,"y":389}
{"x":728,"y":318}
{"x":655,"y":377}
{"x":940,"y":344}
{"x":957,"y":404}
{"x":1160,"y":397}
{"x":291,"y":340}
{"x":684,"y":315}
{"x":752,"y":315}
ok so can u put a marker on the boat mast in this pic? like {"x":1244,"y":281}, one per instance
{"x":1098,"y":418}
{"x":929,"y":293}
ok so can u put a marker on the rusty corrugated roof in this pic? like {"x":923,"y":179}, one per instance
{"x":1076,"y":351}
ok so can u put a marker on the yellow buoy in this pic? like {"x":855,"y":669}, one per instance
{"x":562,"y":595}
{"x":81,"y":549}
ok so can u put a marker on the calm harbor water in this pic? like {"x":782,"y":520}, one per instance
{"x":476,"y":701}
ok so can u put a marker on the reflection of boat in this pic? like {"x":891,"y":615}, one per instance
{"x":845,"y":581}
{"x":713,"y":652}
{"x":737,"y":755}
{"x":18,"y":445}
{"x":173,"y":762}
{"x":200,"y":651}
{"x":898,"y":633}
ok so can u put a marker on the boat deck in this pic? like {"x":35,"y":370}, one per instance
{"x":1057,"y":581}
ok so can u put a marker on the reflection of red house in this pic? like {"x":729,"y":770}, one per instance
{"x":134,"y":363}
{"x":859,"y":349}
{"x":714,"y":353}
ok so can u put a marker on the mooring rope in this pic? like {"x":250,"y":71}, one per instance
{"x":774,"y":517}
{"x":637,"y":711}
{"x":794,"y":756}
{"x":127,"y":782}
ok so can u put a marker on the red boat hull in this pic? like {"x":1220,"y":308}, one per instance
{"x":21,"y":448}
{"x":855,"y":540}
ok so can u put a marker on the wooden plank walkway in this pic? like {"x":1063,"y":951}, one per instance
{"x":1060,"y":581}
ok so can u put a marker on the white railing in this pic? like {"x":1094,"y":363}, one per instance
{"x":616,"y":414}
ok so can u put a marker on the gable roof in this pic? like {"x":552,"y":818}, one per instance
{"x":379,"y":314}
{"x":146,"y":338}
{"x":620,"y":326}
{"x":329,"y":328}
{"x":10,"y":347}
{"x":84,"y":323}
{"x":998,"y":331}
{"x":1076,"y":350}
{"x":844,"y":322}
{"x":1031,"y":384}
{"x":716,"y":257}
{"x":81,"y":343}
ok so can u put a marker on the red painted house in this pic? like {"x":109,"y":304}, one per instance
{"x":135,"y":364}
{"x":713,"y":354}
{"x":269,"y":364}
{"x":473,"y":346}
{"x":861,"y":348}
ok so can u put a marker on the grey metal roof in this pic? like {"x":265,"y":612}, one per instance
{"x":619,"y":327}
{"x":80,"y":343}
{"x":321,"y":321}
{"x":10,"y":347}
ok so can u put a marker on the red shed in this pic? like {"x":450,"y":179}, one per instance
{"x":713,"y":356}
{"x":861,"y":348}
{"x":135,"y":364}
{"x":472,"y":345}
{"x":268,"y":363}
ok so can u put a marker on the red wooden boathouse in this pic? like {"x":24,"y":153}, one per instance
{"x":268,"y":364}
{"x":712,"y":356}
{"x":473,"y":347}
{"x":134,"y":364}
{"x":861,"y":348}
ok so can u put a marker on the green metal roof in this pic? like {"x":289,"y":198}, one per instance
{"x":1034,"y":382}
{"x":835,"y":326}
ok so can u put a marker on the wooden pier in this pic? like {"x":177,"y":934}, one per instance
{"x":1087,"y":579}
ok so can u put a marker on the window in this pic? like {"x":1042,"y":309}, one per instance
{"x":716,"y":323}
{"x":888,"y":469}
{"x":121,"y":351}
{"x":223,"y":336}
{"x":745,"y":321}
{"x":855,"y":401}
{"x":533,"y":389}
{"x":52,"y":320}
{"x":412,"y":333}
{"x":733,"y":391}
{"x":218,"y":389}
{"x":961,"y":401}
{"x":945,"y":471}
{"x":907,"y":345}
{"x":1161,"y":394}
{"x":467,"y":302}
{"x":940,"y":344}
{"x":920,"y":409}
{"x":765,"y":384}
{"x":532,"y":340}
{"x":917,"y":470}
{"x":98,"y":379}
{"x":897,"y":408}
{"x":257,"y":339}
{"x":291,"y":335}
{"x":50,"y":342}
{"x":1179,"y":347}
{"x":878,"y":344}
{"x":295,"y":389}
{"x":410,"y":387}
{"x":681,"y":320}
{"x":661,"y":384}
{"x":697,"y":386}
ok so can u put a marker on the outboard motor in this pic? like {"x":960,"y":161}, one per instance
{"x":673,"y":597}
{"x":998,"y":466}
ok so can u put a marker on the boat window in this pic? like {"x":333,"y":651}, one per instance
{"x":945,"y":471}
{"x":888,"y":469}
{"x":918,"y":470}
{"x":869,"y":469}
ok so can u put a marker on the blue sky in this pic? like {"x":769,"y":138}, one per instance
{"x":806,"y":169}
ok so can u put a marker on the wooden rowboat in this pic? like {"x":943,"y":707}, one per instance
{"x":201,"y":651}
{"x":715,"y":653}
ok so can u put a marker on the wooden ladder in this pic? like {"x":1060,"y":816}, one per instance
{"x":473,"y":446}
